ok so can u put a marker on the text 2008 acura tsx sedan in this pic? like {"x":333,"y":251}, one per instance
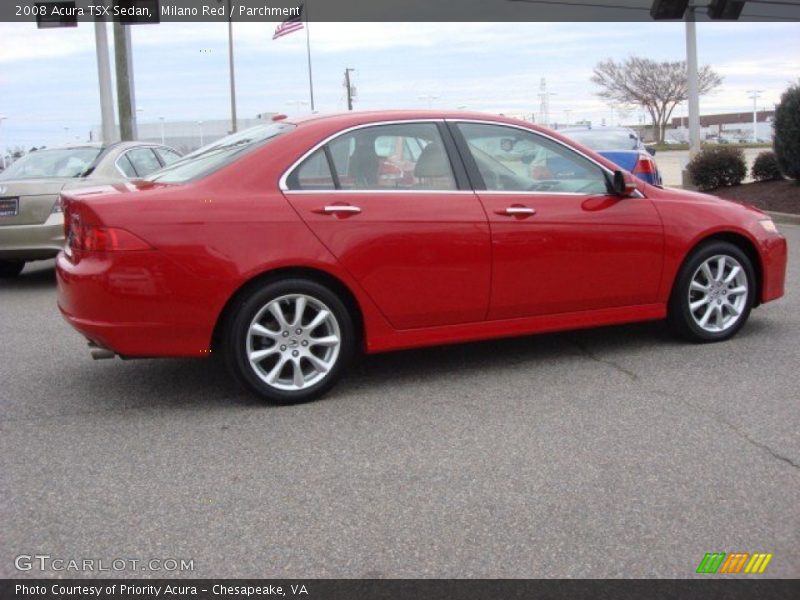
{"x":290,"y":246}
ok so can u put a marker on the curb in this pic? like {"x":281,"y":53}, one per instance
{"x":784,"y":218}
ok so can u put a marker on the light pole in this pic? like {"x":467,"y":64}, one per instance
{"x":200,"y":124}
{"x":162,"y":130}
{"x":693,"y":88}
{"x":755,"y":95}
{"x":2,"y":152}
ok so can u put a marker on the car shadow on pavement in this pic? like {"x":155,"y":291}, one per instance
{"x":191,"y":383}
{"x":205,"y":383}
{"x":30,"y":279}
{"x":500,"y":353}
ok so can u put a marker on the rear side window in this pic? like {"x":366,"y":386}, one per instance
{"x":314,"y":173}
{"x":126,"y":167}
{"x":143,"y":160}
{"x":168,"y":156}
{"x":403,"y":156}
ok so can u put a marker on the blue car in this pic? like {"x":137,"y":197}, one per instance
{"x":621,"y":146}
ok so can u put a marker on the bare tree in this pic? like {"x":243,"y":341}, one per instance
{"x":658,"y":87}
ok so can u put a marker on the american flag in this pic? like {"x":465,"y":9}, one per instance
{"x":290,"y":25}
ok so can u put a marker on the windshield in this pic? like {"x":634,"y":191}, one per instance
{"x":57,"y":162}
{"x":209,"y":158}
{"x":605,"y":140}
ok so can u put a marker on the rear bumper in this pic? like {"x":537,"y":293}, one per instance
{"x":774,"y":253}
{"x":136,"y":304}
{"x":32,"y":242}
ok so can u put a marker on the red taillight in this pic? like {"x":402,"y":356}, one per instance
{"x":111,"y":239}
{"x":88,"y":238}
{"x":645,"y":165}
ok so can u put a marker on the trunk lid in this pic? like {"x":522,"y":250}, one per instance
{"x":29,"y":201}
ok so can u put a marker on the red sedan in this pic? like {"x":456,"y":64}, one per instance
{"x":284,"y":248}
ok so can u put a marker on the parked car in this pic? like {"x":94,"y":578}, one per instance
{"x":31,"y":223}
{"x":621,"y":146}
{"x":286,"y":254}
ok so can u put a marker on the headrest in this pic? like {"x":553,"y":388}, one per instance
{"x":432,"y":162}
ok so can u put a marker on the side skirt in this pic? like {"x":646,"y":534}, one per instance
{"x":467,"y":332}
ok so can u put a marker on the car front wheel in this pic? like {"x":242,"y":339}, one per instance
{"x":11,"y":268}
{"x":713,"y":293}
{"x":289,"y":341}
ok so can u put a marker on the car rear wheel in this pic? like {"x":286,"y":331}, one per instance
{"x":713,"y":294}
{"x":289,"y":341}
{"x":11,"y":268}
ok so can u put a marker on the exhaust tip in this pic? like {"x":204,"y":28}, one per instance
{"x":100,"y":353}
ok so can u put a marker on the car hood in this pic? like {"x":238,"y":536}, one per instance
{"x":700,"y":198}
{"x":626,"y":159}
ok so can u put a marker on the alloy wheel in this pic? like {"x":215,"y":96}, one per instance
{"x":718,"y":293}
{"x":293,"y":342}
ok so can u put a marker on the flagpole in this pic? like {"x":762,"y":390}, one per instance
{"x":230,"y":68}
{"x":308,"y":54}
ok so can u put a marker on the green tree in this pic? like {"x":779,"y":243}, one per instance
{"x":786,"y":142}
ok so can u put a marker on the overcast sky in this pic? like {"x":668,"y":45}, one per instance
{"x":48,"y":78}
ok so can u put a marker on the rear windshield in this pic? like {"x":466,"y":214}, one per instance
{"x":214,"y":156}
{"x":604,"y":140}
{"x":55,"y":162}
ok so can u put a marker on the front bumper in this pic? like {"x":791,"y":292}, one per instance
{"x":32,"y":242}
{"x":774,"y":256}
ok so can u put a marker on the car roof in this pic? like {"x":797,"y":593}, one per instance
{"x":375,"y":116}
{"x":597,"y":129}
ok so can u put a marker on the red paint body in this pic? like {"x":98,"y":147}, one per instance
{"x":423,"y":269}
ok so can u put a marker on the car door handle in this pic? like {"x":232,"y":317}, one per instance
{"x":333,"y":209}
{"x":517,"y":211}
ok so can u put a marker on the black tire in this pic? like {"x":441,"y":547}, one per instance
{"x":11,"y":268}
{"x":679,"y":315}
{"x":235,"y":345}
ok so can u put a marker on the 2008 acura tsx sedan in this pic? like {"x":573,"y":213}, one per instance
{"x":291,"y":246}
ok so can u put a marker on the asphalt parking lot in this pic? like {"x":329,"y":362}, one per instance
{"x":615,"y":452}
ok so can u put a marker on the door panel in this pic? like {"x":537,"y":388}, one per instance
{"x":574,"y":253}
{"x":560,"y":242}
{"x":418,"y":245}
{"x":424,"y":259}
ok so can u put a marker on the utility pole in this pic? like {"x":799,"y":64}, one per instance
{"x":544,"y":102}
{"x":755,"y":95}
{"x":125,"y":98}
{"x":107,"y":130}
{"x":2,"y":152}
{"x":349,"y":87}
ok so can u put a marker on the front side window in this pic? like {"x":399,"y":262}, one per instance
{"x":511,"y":159}
{"x":405,"y":156}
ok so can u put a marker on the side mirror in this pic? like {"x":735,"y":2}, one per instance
{"x":651,"y":150}
{"x":623,"y":184}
